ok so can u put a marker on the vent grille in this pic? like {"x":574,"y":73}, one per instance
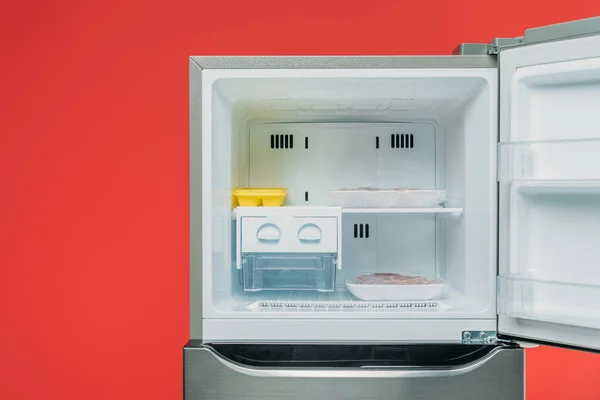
{"x":361,"y":231}
{"x":402,"y":141}
{"x":282,"y":141}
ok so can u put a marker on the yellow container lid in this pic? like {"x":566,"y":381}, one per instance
{"x":260,"y":191}
{"x":254,"y":197}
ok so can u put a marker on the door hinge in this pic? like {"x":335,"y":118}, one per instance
{"x":485,"y":338}
{"x":491,"y":48}
{"x":549,"y":33}
{"x":479,"y":337}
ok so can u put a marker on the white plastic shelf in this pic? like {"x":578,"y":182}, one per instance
{"x":434,"y":210}
{"x":454,"y":211}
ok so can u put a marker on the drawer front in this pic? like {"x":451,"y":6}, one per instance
{"x":289,"y":234}
{"x":210,"y":376}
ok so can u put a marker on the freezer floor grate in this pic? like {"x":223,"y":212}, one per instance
{"x":358,"y":306}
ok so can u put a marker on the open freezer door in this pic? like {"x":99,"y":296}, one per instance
{"x":549,"y":188}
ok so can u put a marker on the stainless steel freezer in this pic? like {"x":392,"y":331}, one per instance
{"x":507,"y":128}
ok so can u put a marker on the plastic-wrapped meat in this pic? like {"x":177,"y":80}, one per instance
{"x":367,"y":189}
{"x":372,"y":189}
{"x":393,"y":279}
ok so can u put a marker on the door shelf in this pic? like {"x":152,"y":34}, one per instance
{"x":575,"y":304}
{"x":551,"y":160}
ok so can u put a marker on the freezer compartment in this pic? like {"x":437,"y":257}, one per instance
{"x":430,"y":130}
{"x":288,"y":272}
{"x":567,"y":303}
{"x":554,"y":160}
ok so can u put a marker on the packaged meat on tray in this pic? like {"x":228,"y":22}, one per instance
{"x":369,"y":197}
{"x":394,"y":279}
{"x":390,"y":286}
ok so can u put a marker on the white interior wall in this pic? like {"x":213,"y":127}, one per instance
{"x":400,"y":243}
{"x":222,"y":180}
{"x":331,"y":156}
{"x":471,"y":160}
{"x":451,"y":232}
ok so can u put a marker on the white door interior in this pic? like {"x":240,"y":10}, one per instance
{"x":549,"y":174}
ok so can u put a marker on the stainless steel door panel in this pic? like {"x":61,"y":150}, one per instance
{"x":498,"y":376}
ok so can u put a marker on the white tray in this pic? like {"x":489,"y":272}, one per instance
{"x":397,"y":292}
{"x":387,"y":198}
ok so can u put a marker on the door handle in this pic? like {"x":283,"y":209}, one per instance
{"x":310,"y":233}
{"x":353,"y":373}
{"x":268,"y":233}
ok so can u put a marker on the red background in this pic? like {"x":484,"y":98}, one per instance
{"x":94,"y":179}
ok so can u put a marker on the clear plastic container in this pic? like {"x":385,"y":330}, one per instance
{"x":288,"y":272}
{"x":387,"y":198}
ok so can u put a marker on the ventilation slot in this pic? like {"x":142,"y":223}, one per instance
{"x":281,"y":141}
{"x":361,"y":231}
{"x":402,"y":141}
